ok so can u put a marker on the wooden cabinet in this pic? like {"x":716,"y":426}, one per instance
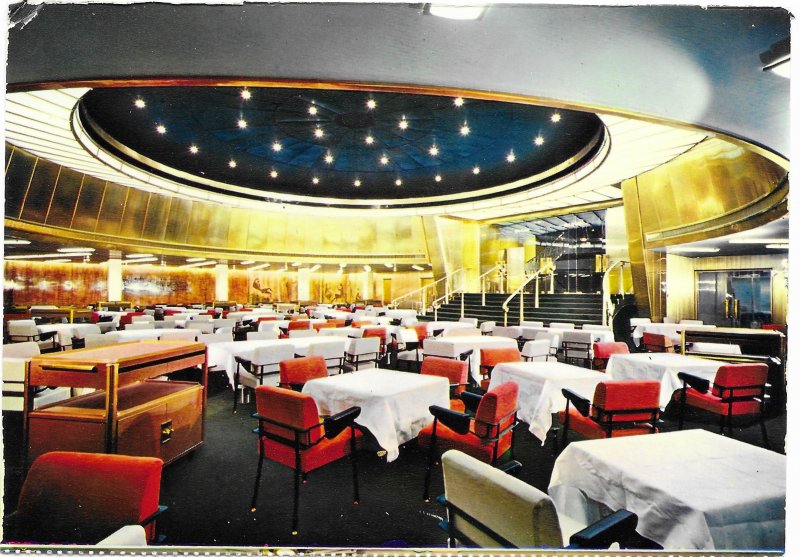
{"x":129,"y":413}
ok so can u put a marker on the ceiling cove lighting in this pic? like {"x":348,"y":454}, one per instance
{"x":15,"y":242}
{"x":138,"y":255}
{"x":417,"y":268}
{"x":455,"y":11}
{"x":698,"y":249}
{"x":777,"y":246}
{"x":367,"y":269}
{"x":388,"y":265}
{"x":246,"y":262}
{"x":259,"y":266}
{"x":195,"y":259}
{"x":58,"y":261}
{"x":75,"y":250}
{"x":759,"y":241}
{"x":44,"y":256}
{"x":315,"y":268}
{"x":199,"y":264}
{"x":296,"y":264}
{"x":140,"y":260}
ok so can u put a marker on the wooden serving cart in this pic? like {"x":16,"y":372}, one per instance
{"x":130,"y":412}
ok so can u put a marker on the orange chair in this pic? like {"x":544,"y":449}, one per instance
{"x":291,"y":433}
{"x":487,"y":435}
{"x":602,"y":353}
{"x":737,"y":390}
{"x":326,"y":325}
{"x":490,"y":357}
{"x":379,"y":332}
{"x":294,"y":373}
{"x":298,"y":317}
{"x":455,"y":371}
{"x":337,"y":322}
{"x":619,"y":408}
{"x":267,"y":318}
{"x":657,"y":343}
{"x":80,"y":498}
{"x":422,"y":331}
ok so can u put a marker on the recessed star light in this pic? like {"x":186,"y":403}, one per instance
{"x":357,"y":182}
{"x":315,"y":180}
{"x":139,"y":103}
{"x":161,"y":128}
{"x":273,"y":174}
{"x":434,"y":150}
{"x":312,"y":110}
{"x":403,"y":123}
{"x":369,"y":140}
{"x":277,"y":146}
{"x":511,"y":157}
{"x":242,"y":123}
{"x":398,"y":182}
{"x":464,"y":130}
{"x":458,"y":101}
{"x":555,"y":118}
{"x":328,"y":158}
{"x":476,"y":170}
{"x":245,"y":94}
{"x":538,"y":140}
{"x":384,"y":159}
{"x":438,"y":177}
{"x":371,"y":104}
{"x":232,"y":163}
{"x":193,"y":149}
{"x":319,"y":133}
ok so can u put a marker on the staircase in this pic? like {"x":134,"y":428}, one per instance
{"x":569,"y":308}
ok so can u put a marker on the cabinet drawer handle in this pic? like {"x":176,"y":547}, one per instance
{"x":166,"y":431}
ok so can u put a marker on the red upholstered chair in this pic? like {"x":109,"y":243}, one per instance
{"x":619,"y":408}
{"x":298,"y":324}
{"x":299,"y":317}
{"x":326,"y":325}
{"x":456,"y":373}
{"x":80,"y":498}
{"x":737,"y":390}
{"x":291,"y":433}
{"x":379,"y":332}
{"x":294,"y":373}
{"x":602,"y":353}
{"x":657,"y":343}
{"x":127,"y":319}
{"x":487,"y":435}
{"x":490,"y":357}
{"x":422,"y":331}
{"x":337,"y":322}
{"x":774,"y":327}
{"x":267,"y":318}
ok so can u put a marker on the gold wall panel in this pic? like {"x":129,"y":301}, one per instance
{"x":40,"y":193}
{"x":178,"y":221}
{"x":155,"y":221}
{"x":238,"y":229}
{"x":133,"y":219}
{"x":217,"y":232}
{"x":111,"y":209}
{"x":636,"y":249}
{"x":18,"y":176}
{"x":87,"y":209}
{"x":680,"y":287}
{"x":199,"y":222}
{"x":65,"y":198}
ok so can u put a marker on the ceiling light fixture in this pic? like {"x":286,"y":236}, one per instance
{"x":161,"y":128}
{"x":759,"y":241}
{"x":141,"y":260}
{"x":403,"y":123}
{"x":319,"y":133}
{"x":511,"y":157}
{"x":315,"y":268}
{"x":242,"y":123}
{"x":464,"y":130}
{"x":245,"y":94}
{"x":276,"y":146}
{"x":248,"y":262}
{"x":384,"y":159}
{"x":388,"y":265}
{"x":434,"y":150}
{"x":259,"y":266}
{"x":58,"y":261}
{"x":357,"y":183}
{"x":698,"y":249}
{"x":296,"y":264}
{"x":342,"y":265}
{"x":138,"y":255}
{"x":232,"y":163}
{"x":328,"y":158}
{"x":139,"y":103}
{"x":455,"y":11}
{"x":199,"y":264}
{"x":195,"y":259}
{"x":312,"y":110}
{"x":15,"y":242}
{"x":777,"y":246}
{"x":476,"y":170}
{"x":371,"y":104}
{"x":367,"y":269}
{"x":369,"y":140}
{"x":417,"y":268}
{"x":315,"y":180}
{"x":458,"y":101}
{"x":75,"y":250}
{"x":555,"y":118}
{"x":43,"y":255}
{"x":438,"y":177}
{"x":538,"y":140}
{"x":273,"y":174}
{"x":193,"y":149}
{"x":398,"y":182}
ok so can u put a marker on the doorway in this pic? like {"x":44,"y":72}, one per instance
{"x":740,"y":298}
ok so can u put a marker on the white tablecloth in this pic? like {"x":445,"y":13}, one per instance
{"x":540,"y":385}
{"x":223,"y":354}
{"x":661,"y":366}
{"x":453,"y":346}
{"x":115,"y":315}
{"x":400,"y":313}
{"x":323,"y":313}
{"x":691,"y":490}
{"x":394,"y":404}
{"x":64,"y":331}
{"x":444,"y":325}
{"x":670,"y":330}
{"x":284,"y":325}
{"x":138,"y":334}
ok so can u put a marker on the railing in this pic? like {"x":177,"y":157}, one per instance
{"x":482,"y":278}
{"x":608,"y":307}
{"x":421,"y":304}
{"x":521,"y":292}
{"x":454,"y":284}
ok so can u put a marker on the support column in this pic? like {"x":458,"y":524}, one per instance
{"x":303,"y":285}
{"x":221,"y":281}
{"x":114,"y":279}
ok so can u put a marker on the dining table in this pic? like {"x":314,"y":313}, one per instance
{"x":454,"y":347}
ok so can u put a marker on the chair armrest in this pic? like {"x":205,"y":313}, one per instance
{"x":47,"y":336}
{"x":697,"y":383}
{"x":437,"y":332}
{"x":471,"y":401}
{"x":243,"y":362}
{"x":456,"y":421}
{"x":512,"y":468}
{"x":158,"y":512}
{"x":337,"y":423}
{"x":580,"y":403}
{"x":600,"y":535}
{"x":465,"y":355}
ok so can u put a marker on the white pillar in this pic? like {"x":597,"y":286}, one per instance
{"x":221,"y":282}
{"x":366,"y":286}
{"x":303,"y":284}
{"x":114,"y":280}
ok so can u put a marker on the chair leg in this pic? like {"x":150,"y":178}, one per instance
{"x":682,"y":409}
{"x":258,"y":477}
{"x":354,"y":461}
{"x":429,"y":469}
{"x":764,"y":431}
{"x":235,"y":389}
{"x":295,"y":513}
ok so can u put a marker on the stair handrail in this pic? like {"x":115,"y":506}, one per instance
{"x":421,"y":290}
{"x":608,"y":306}
{"x":519,"y":291}
{"x":450,"y":290}
{"x":482,"y":278}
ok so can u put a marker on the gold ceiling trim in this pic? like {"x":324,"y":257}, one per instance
{"x":437,"y":90}
{"x":558,"y":211}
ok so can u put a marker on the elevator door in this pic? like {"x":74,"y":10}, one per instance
{"x":734,"y":298}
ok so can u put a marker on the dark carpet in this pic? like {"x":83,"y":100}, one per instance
{"x":208,"y":492}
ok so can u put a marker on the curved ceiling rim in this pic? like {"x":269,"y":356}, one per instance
{"x":591,"y":152}
{"x":479,"y":94}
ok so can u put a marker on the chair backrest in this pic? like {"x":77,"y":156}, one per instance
{"x":552,"y":338}
{"x":338,"y":323}
{"x":326,"y":325}
{"x":536,"y":349}
{"x":288,"y":407}
{"x":146,"y":318}
{"x":605,"y":349}
{"x":367,"y":345}
{"x":408,"y":338}
{"x":556,"y":325}
{"x":690,"y":322}
{"x":379,"y":332}
{"x":204,"y":326}
{"x":81,"y":497}
{"x":578,"y":337}
{"x":591,"y":327}
{"x":514,"y":510}
{"x":199,"y":317}
{"x":301,"y":333}
{"x":21,"y":350}
{"x":490,"y":357}
{"x":668,"y":319}
{"x":496,"y":407}
{"x":268,"y":326}
{"x":23,"y":327}
{"x":270,"y":334}
{"x":178,"y":334}
{"x":454,"y":370}
{"x":299,"y":370}
{"x":211,"y":338}
{"x":80,"y":332}
{"x":635,"y":321}
{"x":92,"y":341}
{"x":532,"y":324}
{"x":422,"y":331}
{"x":334,"y":332}
{"x":127,"y":319}
{"x":462,"y":332}
{"x":471,"y":320}
{"x":272,"y":355}
{"x":219,"y":323}
{"x":487,"y":326}
{"x":298,"y":324}
{"x":333,"y":348}
{"x":740,"y":375}
{"x":656,"y":343}
{"x":626,"y":395}
{"x":140,"y":325}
